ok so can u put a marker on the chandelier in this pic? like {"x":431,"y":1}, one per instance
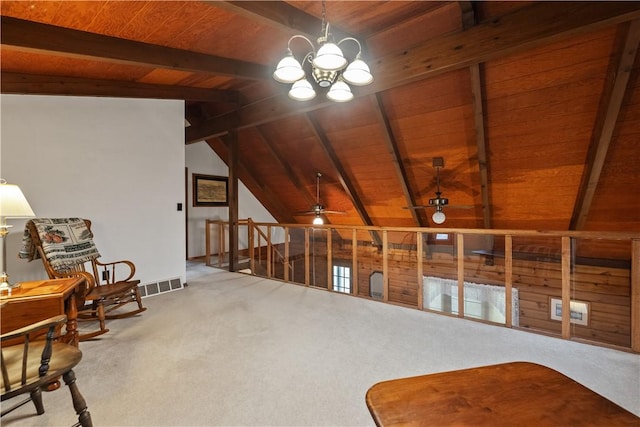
{"x":329,"y":68}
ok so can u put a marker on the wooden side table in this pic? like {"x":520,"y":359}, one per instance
{"x":513,"y":394}
{"x":39,"y":300}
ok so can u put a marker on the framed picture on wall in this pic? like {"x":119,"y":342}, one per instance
{"x":579,"y":311}
{"x":210,"y":190}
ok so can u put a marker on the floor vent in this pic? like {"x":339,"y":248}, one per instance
{"x":151,"y":289}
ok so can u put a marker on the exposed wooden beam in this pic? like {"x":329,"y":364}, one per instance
{"x":281,"y":15}
{"x":613,"y":97}
{"x":394,"y":151}
{"x":32,"y":84}
{"x":275,"y":14}
{"x":347,"y":186}
{"x":232,"y":161}
{"x":481,"y":142}
{"x":468,"y":18}
{"x":526,"y":28}
{"x":34,"y":36}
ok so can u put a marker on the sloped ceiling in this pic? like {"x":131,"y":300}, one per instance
{"x":534,"y":106}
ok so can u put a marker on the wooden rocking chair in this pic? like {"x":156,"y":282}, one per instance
{"x":107,"y":288}
{"x":29,"y":365}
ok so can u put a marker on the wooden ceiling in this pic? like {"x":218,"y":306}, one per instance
{"x":534,"y":106}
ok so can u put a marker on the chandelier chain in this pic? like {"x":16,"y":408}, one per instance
{"x":324,"y":17}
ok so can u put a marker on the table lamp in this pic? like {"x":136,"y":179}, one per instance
{"x":13,"y":204}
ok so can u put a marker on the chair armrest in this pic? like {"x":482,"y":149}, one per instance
{"x":111,"y":268}
{"x":18,"y":373}
{"x":49,"y":323}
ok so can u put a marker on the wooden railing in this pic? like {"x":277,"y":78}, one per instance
{"x":609,"y":288}
{"x":255,"y":250}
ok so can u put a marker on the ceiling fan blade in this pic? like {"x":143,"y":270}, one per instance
{"x":459,"y":207}
{"x":416,"y":207}
{"x":322,"y":212}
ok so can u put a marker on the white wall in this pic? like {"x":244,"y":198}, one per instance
{"x":201,"y":159}
{"x":118,"y":162}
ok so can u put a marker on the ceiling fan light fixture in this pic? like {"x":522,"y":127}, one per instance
{"x":438,"y":217}
{"x":318,"y":220}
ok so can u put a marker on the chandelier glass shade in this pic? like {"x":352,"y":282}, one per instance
{"x":329,"y":69}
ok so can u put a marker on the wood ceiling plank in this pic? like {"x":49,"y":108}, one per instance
{"x":51,"y":85}
{"x":289,"y":172}
{"x":523,"y":29}
{"x":34,"y":36}
{"x":605,"y":126}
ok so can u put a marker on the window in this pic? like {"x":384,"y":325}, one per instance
{"x":485,"y":302}
{"x":342,"y":279}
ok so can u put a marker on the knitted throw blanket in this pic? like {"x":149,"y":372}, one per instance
{"x":66,"y":242}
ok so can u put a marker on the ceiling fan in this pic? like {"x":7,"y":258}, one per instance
{"x":438,"y":202}
{"x":318,"y":209}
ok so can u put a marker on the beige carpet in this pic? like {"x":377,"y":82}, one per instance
{"x":233,"y":349}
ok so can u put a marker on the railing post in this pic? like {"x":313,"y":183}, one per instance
{"x":460,"y":245}
{"x":221,"y":244}
{"x":635,"y":295}
{"x":329,"y":258}
{"x":307,"y":270}
{"x":354,"y":261}
{"x":508,"y":280}
{"x":286,"y":254}
{"x":269,"y":254}
{"x":252,"y":261}
{"x":207,"y":243}
{"x":385,"y":266}
{"x":419,"y":269}
{"x":566,"y":287}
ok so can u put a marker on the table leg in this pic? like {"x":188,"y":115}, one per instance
{"x":72,"y":321}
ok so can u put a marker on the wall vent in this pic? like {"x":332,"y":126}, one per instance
{"x":163,"y":286}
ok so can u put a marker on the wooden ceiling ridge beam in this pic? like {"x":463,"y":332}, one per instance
{"x":604,"y":128}
{"x":394,"y":151}
{"x":288,"y":170}
{"x":264,"y":195}
{"x":526,"y":28}
{"x":35,"y":36}
{"x":346,"y":183}
{"x":33,"y":84}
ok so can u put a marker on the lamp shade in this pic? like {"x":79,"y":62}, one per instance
{"x":13,"y":204}
{"x":288,"y":70}
{"x":302,"y":91}
{"x":340,"y":92}
{"x":357,"y":73}
{"x":330,"y":58}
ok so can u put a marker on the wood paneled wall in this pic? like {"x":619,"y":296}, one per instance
{"x":607,"y":290}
